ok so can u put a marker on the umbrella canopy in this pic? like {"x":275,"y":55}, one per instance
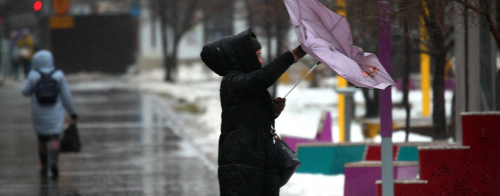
{"x":326,"y":36}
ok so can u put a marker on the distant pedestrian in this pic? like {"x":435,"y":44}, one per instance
{"x":246,"y":150}
{"x":5,"y":62}
{"x":25,"y":49}
{"x":14,"y":60}
{"x":50,"y":98}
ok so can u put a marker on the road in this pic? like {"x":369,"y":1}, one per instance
{"x":128,"y":148}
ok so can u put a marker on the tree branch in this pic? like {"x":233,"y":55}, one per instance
{"x":493,"y":29}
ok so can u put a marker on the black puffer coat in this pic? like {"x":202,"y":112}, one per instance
{"x":246,"y":151}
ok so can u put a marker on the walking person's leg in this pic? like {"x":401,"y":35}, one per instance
{"x":55,"y":143}
{"x":15,"y":70}
{"x":26,"y":67}
{"x":42,"y":153}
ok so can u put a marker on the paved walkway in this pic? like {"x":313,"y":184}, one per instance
{"x":128,"y":149}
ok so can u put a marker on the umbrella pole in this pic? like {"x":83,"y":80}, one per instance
{"x":312,"y":69}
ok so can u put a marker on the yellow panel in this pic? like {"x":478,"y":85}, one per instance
{"x":425,"y":72}
{"x":61,"y":22}
{"x":285,"y":78}
{"x":341,"y":82}
{"x":341,"y":7}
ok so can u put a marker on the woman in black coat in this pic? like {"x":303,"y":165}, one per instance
{"x":246,"y":151}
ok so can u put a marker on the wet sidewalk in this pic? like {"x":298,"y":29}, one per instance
{"x":128,"y":148}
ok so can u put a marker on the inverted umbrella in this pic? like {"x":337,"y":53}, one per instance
{"x":326,"y":36}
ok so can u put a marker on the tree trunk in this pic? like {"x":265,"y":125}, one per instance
{"x":434,"y":17}
{"x":281,"y":24}
{"x":171,"y":65}
{"x":438,"y":115}
{"x":250,"y":19}
{"x":268,"y":29}
{"x":171,"y":60}
{"x":372,"y":102}
{"x":451,"y":131}
{"x":279,"y":50}
{"x":406,"y":77}
{"x":154,"y":16}
{"x":164,"y":38}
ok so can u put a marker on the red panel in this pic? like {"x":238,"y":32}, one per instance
{"x":412,"y":190}
{"x":408,"y":190}
{"x":440,"y":164}
{"x":373,"y":153}
{"x":482,"y":133}
{"x":473,"y":171}
{"x":378,"y":189}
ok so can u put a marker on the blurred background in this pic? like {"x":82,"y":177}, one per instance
{"x":445,"y":61}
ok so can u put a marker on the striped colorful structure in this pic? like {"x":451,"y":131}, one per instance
{"x":330,"y":158}
{"x":360,"y":177}
{"x":470,"y":169}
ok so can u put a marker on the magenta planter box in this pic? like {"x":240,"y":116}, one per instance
{"x":324,"y":134}
{"x":360,"y":177}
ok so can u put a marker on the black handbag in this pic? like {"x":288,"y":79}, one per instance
{"x":286,"y":159}
{"x":70,"y":141}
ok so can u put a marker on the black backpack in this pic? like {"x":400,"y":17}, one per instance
{"x":46,"y":89}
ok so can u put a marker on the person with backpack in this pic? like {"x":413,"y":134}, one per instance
{"x":50,"y":99}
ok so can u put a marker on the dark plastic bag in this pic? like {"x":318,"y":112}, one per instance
{"x":70,"y":141}
{"x":287,"y":161}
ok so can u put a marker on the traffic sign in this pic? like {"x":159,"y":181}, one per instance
{"x":60,"y":6}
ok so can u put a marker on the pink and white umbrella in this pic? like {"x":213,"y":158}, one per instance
{"x":326,"y":36}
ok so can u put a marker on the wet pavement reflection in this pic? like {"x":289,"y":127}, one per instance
{"x":128,"y":148}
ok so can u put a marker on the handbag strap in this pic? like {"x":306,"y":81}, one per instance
{"x":276,"y":137}
{"x":273,"y":133}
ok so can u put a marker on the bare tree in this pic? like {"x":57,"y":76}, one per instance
{"x":433,"y":14}
{"x":485,"y":9}
{"x":279,"y":25}
{"x":217,"y":19}
{"x":363,"y":20}
{"x":405,"y":20}
{"x":251,"y":10}
{"x":176,"y":17}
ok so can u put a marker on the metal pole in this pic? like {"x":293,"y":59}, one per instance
{"x":348,"y":93}
{"x":459,"y":23}
{"x":312,"y":69}
{"x":348,"y":110}
{"x":386,"y":101}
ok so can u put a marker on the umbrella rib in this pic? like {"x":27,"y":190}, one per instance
{"x":314,"y":67}
{"x":336,"y":24}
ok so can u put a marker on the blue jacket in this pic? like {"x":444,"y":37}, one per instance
{"x":48,"y":119}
